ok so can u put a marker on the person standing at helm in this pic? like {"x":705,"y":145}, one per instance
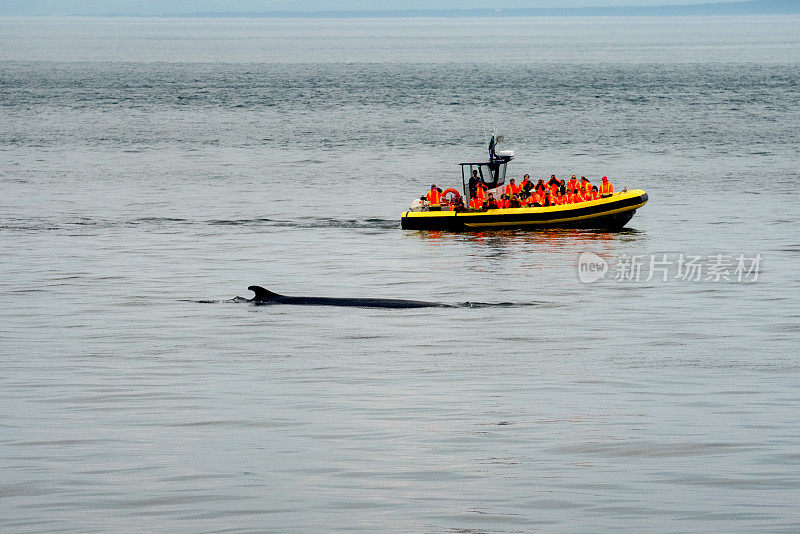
{"x":473,"y":183}
{"x":606,"y":189}
{"x":434,"y":199}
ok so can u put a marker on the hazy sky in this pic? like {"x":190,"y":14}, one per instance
{"x":187,"y":6}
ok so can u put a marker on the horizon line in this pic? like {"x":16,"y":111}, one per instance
{"x":736,"y":7}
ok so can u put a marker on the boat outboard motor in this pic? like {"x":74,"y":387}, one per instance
{"x":419,"y":205}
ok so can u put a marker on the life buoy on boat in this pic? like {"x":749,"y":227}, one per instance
{"x":451,"y":190}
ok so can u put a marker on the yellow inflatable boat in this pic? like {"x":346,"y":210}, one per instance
{"x":609,"y":213}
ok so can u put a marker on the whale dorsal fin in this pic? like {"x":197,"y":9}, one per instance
{"x":262,"y":294}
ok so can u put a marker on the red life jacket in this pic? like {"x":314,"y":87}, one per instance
{"x":434,"y":197}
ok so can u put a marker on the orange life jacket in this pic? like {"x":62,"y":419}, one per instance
{"x":595,"y":195}
{"x":572,"y":184}
{"x":606,"y":187}
{"x":579,"y":197}
{"x":480,"y":192}
{"x":475,"y":203}
{"x":570,"y":199}
{"x":434,"y":197}
{"x":553,"y":190}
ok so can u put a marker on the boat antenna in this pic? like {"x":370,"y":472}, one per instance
{"x":483,"y":125}
{"x":491,"y":116}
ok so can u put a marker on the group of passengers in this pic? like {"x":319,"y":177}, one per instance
{"x":526,"y":194}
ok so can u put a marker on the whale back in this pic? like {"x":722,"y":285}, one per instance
{"x":263,"y":294}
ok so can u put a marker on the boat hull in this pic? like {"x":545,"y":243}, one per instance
{"x":611,"y":213}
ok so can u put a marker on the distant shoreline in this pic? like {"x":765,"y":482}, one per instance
{"x":749,"y":7}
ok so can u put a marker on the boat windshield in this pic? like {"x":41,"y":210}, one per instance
{"x":493,"y":174}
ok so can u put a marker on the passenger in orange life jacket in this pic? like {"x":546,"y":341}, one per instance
{"x":573,"y":182}
{"x":540,"y":187}
{"x":480,"y":191}
{"x":514,"y":202}
{"x":491,"y":203}
{"x":512,"y":188}
{"x":503,"y":202}
{"x":570,"y":197}
{"x":434,"y":198}
{"x":526,"y":184}
{"x":586,"y":186}
{"x":475,"y":203}
{"x":595,"y":193}
{"x":606,"y":189}
{"x":548,"y":199}
{"x":579,"y":196}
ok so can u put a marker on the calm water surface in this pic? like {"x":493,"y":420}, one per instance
{"x":149,"y":165}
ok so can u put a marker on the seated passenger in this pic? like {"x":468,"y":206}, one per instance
{"x":553,"y":180}
{"x":491,"y":203}
{"x":512,"y":188}
{"x":573,"y":182}
{"x":579,"y":196}
{"x":606,"y":189}
{"x":475,"y":203}
{"x":536,"y":199}
{"x":548,"y":200}
{"x":595,"y":193}
{"x":586,"y":186}
{"x":503,"y":202}
{"x":526,"y":184}
{"x":457,"y":204}
{"x":540,"y":187}
{"x":562,"y":188}
{"x":570,"y":197}
{"x":514,"y":203}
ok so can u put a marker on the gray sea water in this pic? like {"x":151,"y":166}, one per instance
{"x":148,"y":166}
